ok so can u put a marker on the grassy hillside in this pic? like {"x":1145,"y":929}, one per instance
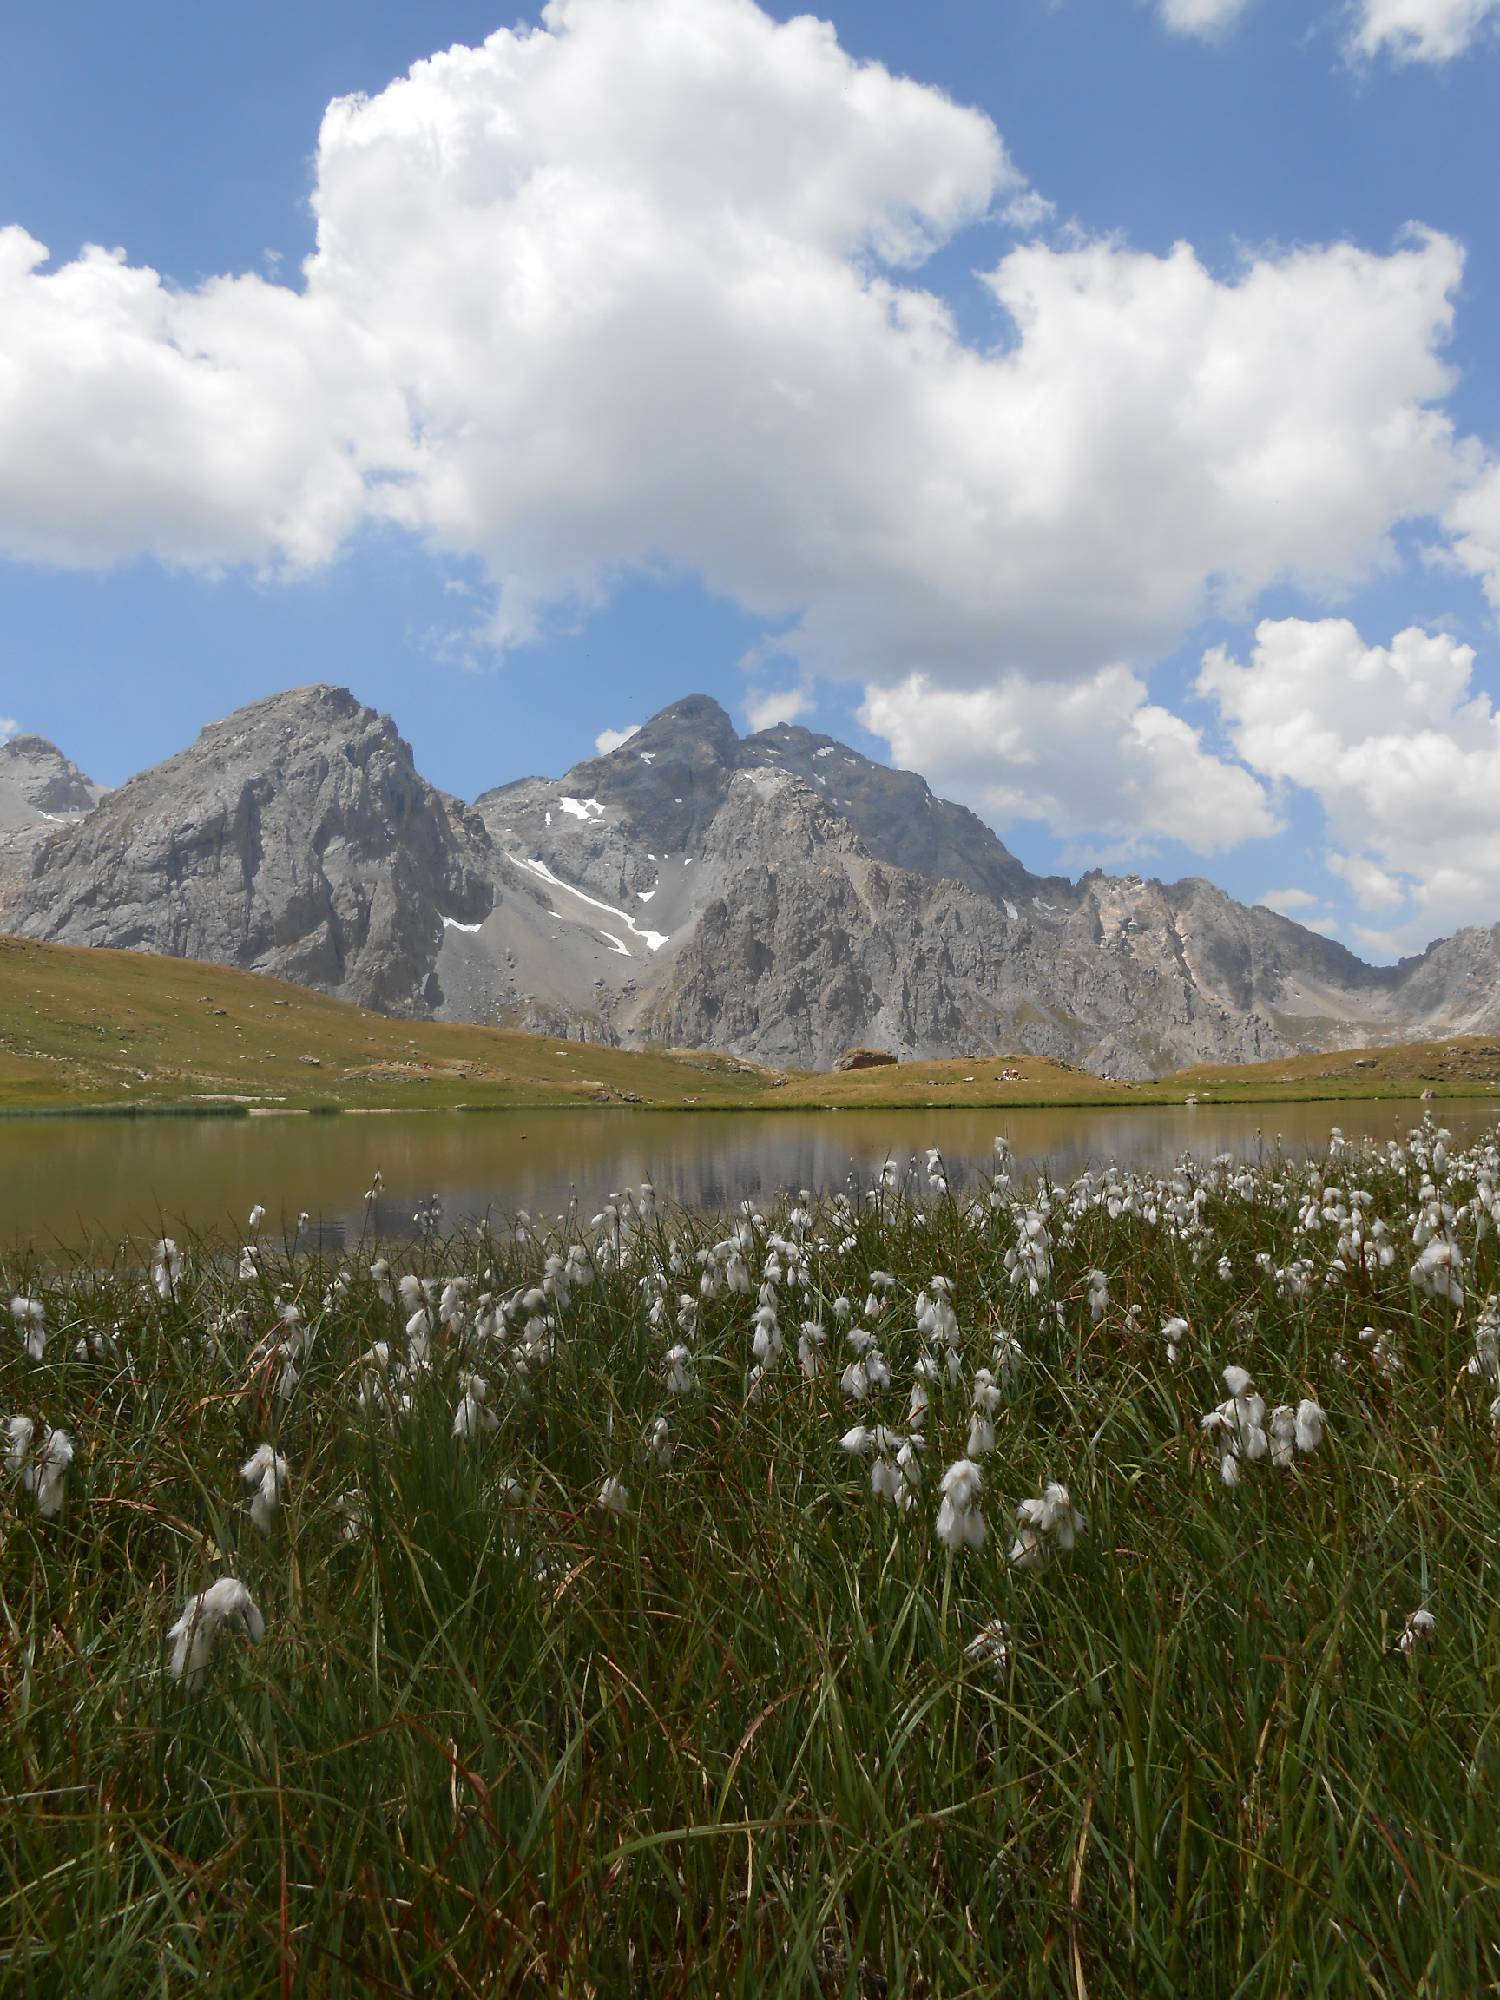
{"x":84,"y":1026}
{"x":81,"y":1027}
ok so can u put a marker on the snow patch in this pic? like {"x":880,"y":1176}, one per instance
{"x":584,"y":809}
{"x":652,"y":940}
{"x":644,"y":895}
{"x":826,"y":751}
{"x":1011,"y":911}
{"x":648,"y":756}
{"x":615,"y":944}
{"x":452,"y":924}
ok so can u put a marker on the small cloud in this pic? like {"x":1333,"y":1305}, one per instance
{"x":765,"y":707}
{"x":611,"y":739}
{"x":1204,"y":18}
{"x":1380,"y":944}
{"x":1285,"y":901}
{"x":1028,"y":211}
{"x":8,"y":727}
{"x":1374,"y":886}
{"x":1426,"y":31}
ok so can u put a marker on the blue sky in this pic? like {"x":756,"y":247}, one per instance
{"x":188,"y":138}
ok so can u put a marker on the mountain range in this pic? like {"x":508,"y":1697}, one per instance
{"x":778,"y":896}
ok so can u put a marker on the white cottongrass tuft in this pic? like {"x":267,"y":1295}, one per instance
{"x":265,"y":1470}
{"x":30,"y":1317}
{"x":472,"y":1419}
{"x":166,"y":1268}
{"x":987,"y":1395}
{"x":44,"y":1471}
{"x":990,"y":1645}
{"x":659,"y":1445}
{"x":1244,"y":1434}
{"x":1419,"y":1629}
{"x":226,"y":1606}
{"x":896,"y":1468}
{"x":1238,"y":1425}
{"x":960,"y":1524}
{"x":1045,"y":1524}
{"x":614,"y":1496}
{"x":19,"y":1432}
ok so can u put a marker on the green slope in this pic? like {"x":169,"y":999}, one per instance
{"x":86,"y":1028}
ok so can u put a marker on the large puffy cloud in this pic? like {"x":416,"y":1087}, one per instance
{"x":627,"y":292}
{"x":221,"y":425}
{"x":634,"y":291}
{"x":1400,"y":749}
{"x":1095,"y":757}
{"x":1430,"y":31}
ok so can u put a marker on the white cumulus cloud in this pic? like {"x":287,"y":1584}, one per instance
{"x":1399,"y":748}
{"x":765,"y":707}
{"x":1473,"y":522}
{"x":8,"y":727}
{"x":1430,"y":31}
{"x":611,"y":739}
{"x":1094,"y":757}
{"x":572,"y":340}
{"x":639,"y":291}
{"x":1200,"y":17}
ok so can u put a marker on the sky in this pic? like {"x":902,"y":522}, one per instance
{"x":1091,"y":404}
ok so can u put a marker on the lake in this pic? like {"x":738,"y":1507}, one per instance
{"x":65,"y":1182}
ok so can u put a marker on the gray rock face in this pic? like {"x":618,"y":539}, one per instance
{"x":777,"y":896}
{"x":40,"y":790}
{"x":294,"y":838}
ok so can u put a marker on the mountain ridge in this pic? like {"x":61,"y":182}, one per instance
{"x":777,"y":895}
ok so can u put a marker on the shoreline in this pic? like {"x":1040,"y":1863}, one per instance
{"x":769,"y":1105}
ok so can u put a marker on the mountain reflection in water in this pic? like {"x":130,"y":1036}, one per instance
{"x":67,"y":1181}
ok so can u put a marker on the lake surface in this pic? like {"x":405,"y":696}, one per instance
{"x":65,"y":1182}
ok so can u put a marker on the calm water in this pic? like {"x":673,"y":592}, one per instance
{"x":68,"y":1181}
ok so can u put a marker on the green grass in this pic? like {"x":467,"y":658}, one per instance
{"x":86,"y":1028}
{"x":731,"y":1742}
{"x":91,"y":1029}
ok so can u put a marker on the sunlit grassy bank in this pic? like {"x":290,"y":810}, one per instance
{"x":125,"y":1031}
{"x":643,"y":1603}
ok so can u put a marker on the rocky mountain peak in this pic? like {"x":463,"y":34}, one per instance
{"x":896,"y":813}
{"x":294,"y":837}
{"x":38,"y":782}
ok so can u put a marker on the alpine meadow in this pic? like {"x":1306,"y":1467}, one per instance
{"x":1063,"y":1589}
{"x":750,"y":1000}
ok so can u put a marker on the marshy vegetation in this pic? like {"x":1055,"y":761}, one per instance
{"x":1084,"y":1589}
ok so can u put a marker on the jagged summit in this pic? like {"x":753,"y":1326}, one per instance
{"x":38,"y":781}
{"x":40,"y":791}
